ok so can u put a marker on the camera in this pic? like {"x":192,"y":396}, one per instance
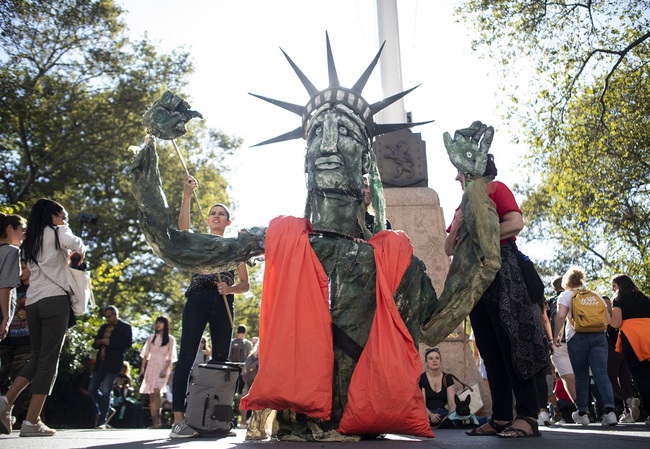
{"x":74,"y":263}
{"x":84,"y":217}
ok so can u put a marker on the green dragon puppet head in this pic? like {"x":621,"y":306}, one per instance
{"x":166,"y":118}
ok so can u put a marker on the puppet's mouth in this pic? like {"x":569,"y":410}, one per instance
{"x":328,"y":162}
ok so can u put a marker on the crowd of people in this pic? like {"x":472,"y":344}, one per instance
{"x":537,"y":352}
{"x":533,"y":352}
{"x":35,"y":314}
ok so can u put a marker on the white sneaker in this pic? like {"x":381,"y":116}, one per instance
{"x":5,"y":416}
{"x":543,"y":419}
{"x":36,"y":430}
{"x":584,"y":419}
{"x":633,"y":404}
{"x":626,"y":418}
{"x":608,"y":419}
{"x":182,"y":430}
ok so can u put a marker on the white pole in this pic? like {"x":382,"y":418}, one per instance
{"x":390,"y":62}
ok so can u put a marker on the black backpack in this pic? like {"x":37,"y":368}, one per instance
{"x":251,"y":366}
{"x":238,"y":351}
{"x":552,"y":313}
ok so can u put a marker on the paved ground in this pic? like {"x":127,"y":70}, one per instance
{"x":627,"y":436}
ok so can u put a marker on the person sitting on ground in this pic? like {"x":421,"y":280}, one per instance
{"x":123,"y":385}
{"x":437,"y":388}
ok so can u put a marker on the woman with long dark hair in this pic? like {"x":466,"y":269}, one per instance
{"x":48,"y":247}
{"x":631,"y":315}
{"x":158,"y":356}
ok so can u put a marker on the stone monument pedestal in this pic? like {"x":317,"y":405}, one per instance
{"x":417,"y":211}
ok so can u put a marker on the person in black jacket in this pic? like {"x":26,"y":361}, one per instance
{"x":113,"y":339}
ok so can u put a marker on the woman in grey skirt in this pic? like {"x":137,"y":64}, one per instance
{"x":49,"y":244}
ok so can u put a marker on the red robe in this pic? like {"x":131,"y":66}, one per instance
{"x":296,"y":355}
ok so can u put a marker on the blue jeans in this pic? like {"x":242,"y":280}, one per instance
{"x":203,"y":307}
{"x":100,"y":388}
{"x":589,"y":350}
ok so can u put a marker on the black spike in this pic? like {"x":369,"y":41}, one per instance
{"x":376,"y":107}
{"x":311,"y":89}
{"x":331,"y":68}
{"x":295,"y":108}
{"x":295,"y":134}
{"x":361,"y":83}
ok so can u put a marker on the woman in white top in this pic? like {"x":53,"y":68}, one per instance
{"x":587,"y":349}
{"x":49,"y":244}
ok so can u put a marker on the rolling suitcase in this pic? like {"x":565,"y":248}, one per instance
{"x":210,"y":397}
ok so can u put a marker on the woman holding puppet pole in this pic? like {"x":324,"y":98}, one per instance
{"x":210,"y":299}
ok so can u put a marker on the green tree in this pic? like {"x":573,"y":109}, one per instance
{"x":584,"y":115}
{"x":73,"y":89}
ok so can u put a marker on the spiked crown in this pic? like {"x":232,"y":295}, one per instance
{"x":336,"y":94}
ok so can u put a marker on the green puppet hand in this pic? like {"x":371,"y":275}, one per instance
{"x":469,"y":148}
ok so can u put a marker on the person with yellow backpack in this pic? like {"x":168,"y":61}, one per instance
{"x":586,"y":318}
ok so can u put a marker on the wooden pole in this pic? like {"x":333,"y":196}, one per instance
{"x":225,"y":303}
{"x":196,"y":198}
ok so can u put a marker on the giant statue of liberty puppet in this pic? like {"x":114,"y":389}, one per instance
{"x":340,"y":319}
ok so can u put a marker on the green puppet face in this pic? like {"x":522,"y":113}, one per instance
{"x":337,"y":158}
{"x":337,"y":155}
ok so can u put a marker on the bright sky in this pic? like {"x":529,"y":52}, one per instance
{"x":235,"y":46}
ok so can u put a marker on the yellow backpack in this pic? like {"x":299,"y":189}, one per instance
{"x":588,"y":312}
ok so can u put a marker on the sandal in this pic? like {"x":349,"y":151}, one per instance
{"x":514,"y":432}
{"x":496,"y":428}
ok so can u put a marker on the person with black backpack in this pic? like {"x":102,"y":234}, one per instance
{"x":240,"y":347}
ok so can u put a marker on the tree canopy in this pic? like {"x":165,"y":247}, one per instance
{"x":73,"y":88}
{"x":583,"y":108}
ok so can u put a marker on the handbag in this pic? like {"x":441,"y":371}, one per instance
{"x":476,"y":403}
{"x":80,"y":290}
